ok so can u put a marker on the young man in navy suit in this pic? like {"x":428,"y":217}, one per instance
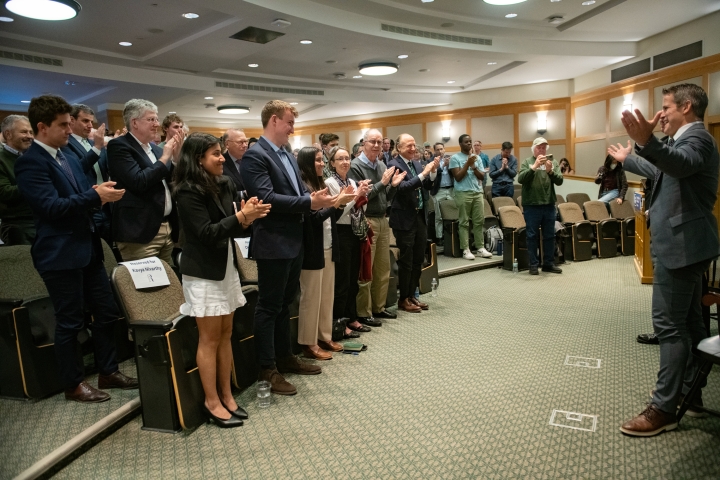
{"x":408,"y":219}
{"x":271,"y":174}
{"x":67,"y":252}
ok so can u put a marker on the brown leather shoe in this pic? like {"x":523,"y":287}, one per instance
{"x":85,"y":393}
{"x":415,"y":301}
{"x":292,"y":364}
{"x":316,"y":353}
{"x":652,"y":421}
{"x":407,"y":306}
{"x":117,"y":380}
{"x":278,"y":384}
{"x":332,"y":346}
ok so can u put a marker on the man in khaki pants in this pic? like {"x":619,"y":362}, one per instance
{"x":372,"y":296}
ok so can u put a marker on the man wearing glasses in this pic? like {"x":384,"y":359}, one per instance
{"x":237,"y":144}
{"x":144,"y":222}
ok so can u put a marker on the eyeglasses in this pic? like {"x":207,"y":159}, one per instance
{"x":151,"y":119}
{"x":374,"y":142}
{"x":241,"y":142}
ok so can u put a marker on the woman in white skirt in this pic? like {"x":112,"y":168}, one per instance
{"x":210,"y":218}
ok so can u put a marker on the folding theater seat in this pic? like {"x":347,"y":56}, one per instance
{"x":625,"y":214}
{"x":580,"y":229}
{"x":607,"y":229}
{"x":512,"y":223}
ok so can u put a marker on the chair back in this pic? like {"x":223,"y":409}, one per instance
{"x":18,"y":278}
{"x":449,"y":210}
{"x":110,"y":261}
{"x":499,"y":202}
{"x":487,"y":208}
{"x":559,"y":199}
{"x":570,"y":212}
{"x":578,"y":198}
{"x":517,"y":192}
{"x":519,"y":202}
{"x":149,"y":304}
{"x":622,"y":210}
{"x":596,"y":210}
{"x":511,"y":217}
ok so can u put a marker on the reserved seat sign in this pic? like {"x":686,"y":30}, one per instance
{"x":147,"y":272}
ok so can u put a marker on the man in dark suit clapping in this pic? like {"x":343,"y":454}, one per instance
{"x":271,"y":174}
{"x":67,"y":252}
{"x":684,"y":238}
{"x":237,"y":144}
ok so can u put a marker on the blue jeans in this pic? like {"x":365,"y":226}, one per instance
{"x":536,"y":217}
{"x":609,"y":195}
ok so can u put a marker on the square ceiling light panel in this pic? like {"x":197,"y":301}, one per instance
{"x":256,"y":35}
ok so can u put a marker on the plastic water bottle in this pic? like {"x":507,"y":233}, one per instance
{"x":515,"y":266}
{"x":500,"y":248}
{"x":433,"y":286}
{"x":417,"y":292}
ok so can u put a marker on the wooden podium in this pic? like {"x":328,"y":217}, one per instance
{"x":643,"y":261}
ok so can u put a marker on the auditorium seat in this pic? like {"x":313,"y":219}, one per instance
{"x":490,"y":219}
{"x":499,"y":202}
{"x":519,"y":203}
{"x":559,"y":199}
{"x":625,"y":213}
{"x":517,"y":192}
{"x":429,"y":270}
{"x":607,"y":229}
{"x":451,"y":239}
{"x":512,"y":223}
{"x":580,"y":229}
{"x":578,"y":198}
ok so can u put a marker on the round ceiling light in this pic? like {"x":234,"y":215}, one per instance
{"x":306,"y":42}
{"x":209,"y":98}
{"x":253,"y":65}
{"x":357,"y":76}
{"x":125,"y":44}
{"x":503,"y":2}
{"x":451,"y":81}
{"x":190,"y":15}
{"x":378,"y":68}
{"x":233,"y":109}
{"x":45,"y":9}
{"x":511,"y":15}
{"x":402,"y":56}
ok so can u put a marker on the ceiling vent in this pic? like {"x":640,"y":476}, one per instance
{"x":555,"y":19}
{"x":435,"y":36}
{"x":339,"y":76}
{"x":55,"y":62}
{"x":256,"y":35}
{"x":260,"y":88}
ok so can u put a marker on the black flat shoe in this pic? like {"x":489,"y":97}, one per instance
{"x":370,"y":321}
{"x":648,"y":339}
{"x":385,"y":314}
{"x":239,"y":413}
{"x":351,"y":335}
{"x":361,"y":328}
{"x":220,"y":422}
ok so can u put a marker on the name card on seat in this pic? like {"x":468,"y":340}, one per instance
{"x":244,"y":244}
{"x":147,"y":272}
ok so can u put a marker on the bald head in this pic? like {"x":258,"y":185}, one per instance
{"x":405,"y":145}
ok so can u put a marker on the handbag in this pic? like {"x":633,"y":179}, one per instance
{"x":338,"y":328}
{"x":358,"y":221}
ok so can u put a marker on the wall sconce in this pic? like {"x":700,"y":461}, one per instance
{"x":445,"y":131}
{"x":541,"y":125}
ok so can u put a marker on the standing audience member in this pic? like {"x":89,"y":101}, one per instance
{"x":210,"y":220}
{"x":144,"y":223}
{"x":317,"y":278}
{"x":172,"y":125}
{"x":477,"y":150}
{"x":442,"y":190}
{"x":237,"y":144}
{"x":328,"y":141}
{"x":565,"y":167}
{"x":372,"y":296}
{"x":408,"y":220}
{"x":18,"y":226}
{"x":271,"y":175}
{"x":386,"y":151}
{"x":67,"y":252}
{"x":684,"y":237}
{"x":252,"y":141}
{"x":612,"y":180}
{"x":538,"y":177}
{"x":468,"y":171}
{"x":503,"y":168}
{"x":347,"y":267}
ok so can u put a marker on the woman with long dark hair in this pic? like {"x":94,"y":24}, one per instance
{"x":317,"y":278}
{"x":612,"y":180}
{"x":210,"y":218}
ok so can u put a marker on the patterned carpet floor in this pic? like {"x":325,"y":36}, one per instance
{"x":465,"y":390}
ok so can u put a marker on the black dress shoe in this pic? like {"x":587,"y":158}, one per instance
{"x":117,"y":380}
{"x":552,"y":269}
{"x":385,"y":314}
{"x":533,"y":271}
{"x":370,"y":321}
{"x":648,"y":339}
{"x":239,"y":412}
{"x":221,"y":422}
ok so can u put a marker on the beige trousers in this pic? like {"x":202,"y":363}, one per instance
{"x":161,"y":246}
{"x":372,"y":296}
{"x":317,"y":292}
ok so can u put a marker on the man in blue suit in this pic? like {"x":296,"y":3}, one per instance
{"x":408,"y":219}
{"x":271,"y":174}
{"x":67,"y":252}
{"x":684,"y":240}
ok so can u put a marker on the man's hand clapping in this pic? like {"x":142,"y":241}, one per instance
{"x":362,"y":190}
{"x":619,"y":152}
{"x":99,"y":136}
{"x":107,"y":193}
{"x":398,"y":177}
{"x":387,"y":176}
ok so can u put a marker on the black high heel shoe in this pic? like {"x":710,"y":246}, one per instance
{"x":239,"y":413}
{"x":220,"y":422}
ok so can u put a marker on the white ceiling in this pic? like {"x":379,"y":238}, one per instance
{"x":175,"y":62}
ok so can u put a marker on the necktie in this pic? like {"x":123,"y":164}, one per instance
{"x":290,"y":170}
{"x":417,"y":192}
{"x":86,"y":144}
{"x":66,"y":168}
{"x":237,"y":165}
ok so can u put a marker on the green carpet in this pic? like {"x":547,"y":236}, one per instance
{"x":465,"y":390}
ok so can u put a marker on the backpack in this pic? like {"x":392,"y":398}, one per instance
{"x":493,"y":236}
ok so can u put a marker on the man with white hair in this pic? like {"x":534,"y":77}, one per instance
{"x":15,"y":212}
{"x":538,"y":176}
{"x":237,"y":144}
{"x":144,"y":222}
{"x":372,"y":296}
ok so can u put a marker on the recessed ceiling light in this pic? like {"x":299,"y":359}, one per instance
{"x":190,"y":15}
{"x":6,"y":19}
{"x":125,"y":44}
{"x":306,"y":42}
{"x":589,"y":2}
{"x":427,"y":1}
{"x":293,"y":103}
{"x":233,"y":109}
{"x":357,"y":76}
{"x":511,"y":15}
{"x":209,"y":98}
{"x":24,"y":101}
{"x":170,"y":113}
{"x":503,"y":2}
{"x":554,"y":1}
{"x":378,"y":68}
{"x":45,"y":9}
{"x":451,"y":81}
{"x":253,"y":65}
{"x":492,"y":63}
{"x":403,"y":56}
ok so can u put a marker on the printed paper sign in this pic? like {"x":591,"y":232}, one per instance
{"x":147,"y":272}
{"x":244,"y":244}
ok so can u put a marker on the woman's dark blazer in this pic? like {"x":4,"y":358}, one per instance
{"x":207,"y":223}
{"x":314,"y":250}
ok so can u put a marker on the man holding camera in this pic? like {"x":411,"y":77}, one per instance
{"x":538,"y":176}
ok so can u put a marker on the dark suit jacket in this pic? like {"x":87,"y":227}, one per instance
{"x":280,"y":234}
{"x":136,"y":218}
{"x":207,"y":222}
{"x":405,"y":203}
{"x":75,"y":149}
{"x":683,"y":228}
{"x":314,"y":257}
{"x":230,"y":170}
{"x":62,"y":212}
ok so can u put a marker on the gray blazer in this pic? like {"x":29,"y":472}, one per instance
{"x":683,"y":228}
